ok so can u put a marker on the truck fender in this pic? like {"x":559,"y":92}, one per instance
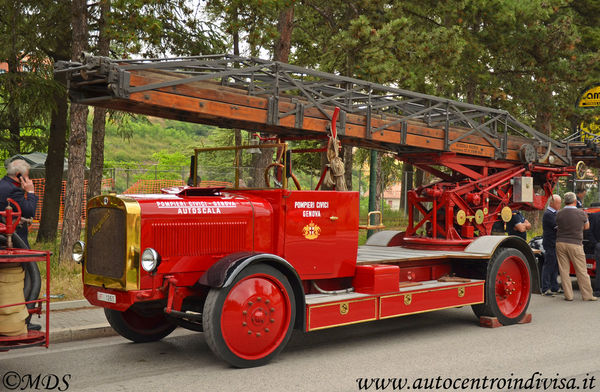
{"x":223,"y":273}
{"x":488,"y":244}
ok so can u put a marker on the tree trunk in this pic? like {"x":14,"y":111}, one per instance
{"x":237,"y":136}
{"x":281,"y":52}
{"x":77,"y":144}
{"x":99,"y":123}
{"x":71,"y":229}
{"x":407,"y":184}
{"x":56,"y":143}
{"x":418,"y":177}
{"x":97,"y":158}
{"x":543,"y":122}
{"x":285,"y":25}
{"x":13,"y":61}
{"x":347,"y":156}
{"x":380,"y":184}
{"x":54,"y":170}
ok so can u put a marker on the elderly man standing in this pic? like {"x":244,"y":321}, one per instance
{"x":550,"y":267}
{"x":570,"y":223}
{"x":18,"y":186}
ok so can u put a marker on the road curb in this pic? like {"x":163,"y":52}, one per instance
{"x":81,"y":333}
{"x":68,"y":305}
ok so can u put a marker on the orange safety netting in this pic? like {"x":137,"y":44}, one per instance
{"x":141,"y":186}
{"x":40,"y":186}
{"x":154,"y":186}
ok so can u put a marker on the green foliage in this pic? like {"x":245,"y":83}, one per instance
{"x":253,"y":21}
{"x":158,"y":27}
{"x":390,"y":168}
{"x":27,"y":88}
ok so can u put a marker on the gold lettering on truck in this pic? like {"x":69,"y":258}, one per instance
{"x":100,"y":223}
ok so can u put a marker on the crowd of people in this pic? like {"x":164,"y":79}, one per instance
{"x":563,"y":234}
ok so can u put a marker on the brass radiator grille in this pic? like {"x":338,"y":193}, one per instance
{"x":106,"y":242}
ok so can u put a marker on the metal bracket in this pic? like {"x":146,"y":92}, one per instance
{"x":368,"y":130}
{"x":341,"y":123}
{"x":273,"y":110}
{"x":119,"y":82}
{"x":299,"y":121}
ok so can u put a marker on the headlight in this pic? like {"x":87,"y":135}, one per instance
{"x":77,"y":252}
{"x":150,"y":260}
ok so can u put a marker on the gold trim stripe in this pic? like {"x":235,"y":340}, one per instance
{"x":425,"y":311}
{"x":310,"y":308}
{"x":437,"y":289}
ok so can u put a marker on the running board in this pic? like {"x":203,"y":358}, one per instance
{"x":327,"y":311}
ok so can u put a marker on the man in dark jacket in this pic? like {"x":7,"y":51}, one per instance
{"x":18,"y":186}
{"x":570,"y":224}
{"x":518,"y":225}
{"x":581,"y":192}
{"x":550,"y":285}
{"x":593,"y":235}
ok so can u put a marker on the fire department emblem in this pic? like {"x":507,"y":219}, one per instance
{"x":344,"y":308}
{"x":311,"y":231}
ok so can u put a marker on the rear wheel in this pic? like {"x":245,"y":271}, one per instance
{"x":507,"y":287}
{"x":138,"y":325}
{"x":249,"y":322}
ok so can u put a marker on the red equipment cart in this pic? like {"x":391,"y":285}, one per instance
{"x":15,"y":255}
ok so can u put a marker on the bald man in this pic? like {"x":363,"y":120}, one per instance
{"x":570,"y":224}
{"x":550,"y":285}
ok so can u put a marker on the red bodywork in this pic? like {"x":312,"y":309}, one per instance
{"x":191,"y":233}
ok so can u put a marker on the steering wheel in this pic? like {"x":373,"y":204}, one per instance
{"x":276,"y":183}
{"x":11,"y":218}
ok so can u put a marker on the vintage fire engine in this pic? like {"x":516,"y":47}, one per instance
{"x":247,"y":266}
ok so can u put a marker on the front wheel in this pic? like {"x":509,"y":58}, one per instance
{"x":507,"y":287}
{"x":249,"y":322}
{"x":139,"y":325}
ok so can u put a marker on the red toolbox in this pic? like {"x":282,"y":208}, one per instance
{"x":376,"y":278}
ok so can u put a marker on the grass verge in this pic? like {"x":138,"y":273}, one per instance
{"x":65,"y":278}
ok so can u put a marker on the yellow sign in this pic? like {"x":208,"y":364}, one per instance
{"x":590,"y":130}
{"x":311,"y":231}
{"x":590,"y":98}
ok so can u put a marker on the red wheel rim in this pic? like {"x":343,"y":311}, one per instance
{"x":512,"y":286}
{"x":256,"y":316}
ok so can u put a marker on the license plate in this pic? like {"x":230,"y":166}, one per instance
{"x":107,"y":297}
{"x":589,"y":266}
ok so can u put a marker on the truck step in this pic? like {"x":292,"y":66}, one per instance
{"x":326,"y":311}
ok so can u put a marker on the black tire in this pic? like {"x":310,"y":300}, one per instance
{"x":596,"y":281}
{"x":279,"y":315}
{"x":138,"y":325}
{"x":33,"y":282}
{"x":504,"y":263}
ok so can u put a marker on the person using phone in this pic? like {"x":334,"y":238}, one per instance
{"x":18,"y":186}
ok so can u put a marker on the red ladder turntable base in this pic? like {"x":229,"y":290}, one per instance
{"x":492,"y":322}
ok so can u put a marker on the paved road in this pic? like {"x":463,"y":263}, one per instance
{"x":563,"y":339}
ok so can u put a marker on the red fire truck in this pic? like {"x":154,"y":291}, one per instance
{"x":248,"y":266}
